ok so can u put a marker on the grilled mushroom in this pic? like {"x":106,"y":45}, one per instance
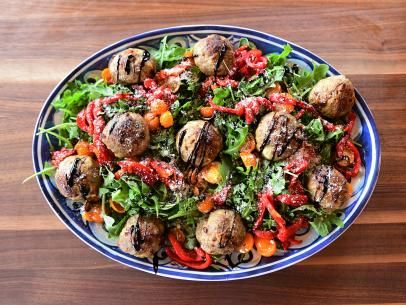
{"x":126,"y":135}
{"x":328,"y":187}
{"x":142,"y":236}
{"x":214,"y":55}
{"x":131,"y":66}
{"x":78,"y":178}
{"x":278,"y":135}
{"x":198,"y":143}
{"x":333,"y":96}
{"x":221,"y":233}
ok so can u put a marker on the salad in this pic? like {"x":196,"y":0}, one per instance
{"x":205,"y":151}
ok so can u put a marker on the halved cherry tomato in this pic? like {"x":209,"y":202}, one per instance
{"x":211,"y":173}
{"x":94,"y":215}
{"x":265,"y":247}
{"x":206,"y":112}
{"x":188,"y":54}
{"x":116,"y":206}
{"x":206,"y":205}
{"x":249,"y":159}
{"x":158,"y":107}
{"x":83,"y":148}
{"x":166,"y":119}
{"x":247,"y":244}
{"x":152,"y":121}
{"x":106,"y":75}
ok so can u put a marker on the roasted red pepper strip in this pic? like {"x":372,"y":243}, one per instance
{"x":286,"y":234}
{"x":297,"y":166}
{"x":350,"y":124}
{"x":146,"y":173}
{"x":264,"y":199}
{"x":249,"y":62}
{"x":292,"y":200}
{"x":58,"y":156}
{"x":265,"y":234}
{"x":346,"y":142}
{"x":220,"y":197}
{"x":194,"y":265}
{"x":295,"y":186}
{"x":183,"y":254}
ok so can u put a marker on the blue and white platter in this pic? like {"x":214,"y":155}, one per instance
{"x":235,"y":266}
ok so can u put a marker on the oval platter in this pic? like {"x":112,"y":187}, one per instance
{"x":234,"y":267}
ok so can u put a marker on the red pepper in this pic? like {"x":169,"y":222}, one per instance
{"x":220,"y":197}
{"x":292,"y":200}
{"x":295,"y":186}
{"x":183,"y":254}
{"x":194,"y":265}
{"x":341,"y":145}
{"x":286,"y":234}
{"x":249,"y":62}
{"x":146,"y":173}
{"x":58,"y":156}
{"x":297,"y":166}
{"x":264,"y":199}
{"x":350,"y":124}
{"x":265,"y":234}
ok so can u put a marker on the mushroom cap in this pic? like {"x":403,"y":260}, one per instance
{"x":214,"y":55}
{"x":199,"y":143}
{"x":78,"y":178}
{"x":278,"y":135}
{"x":333,"y":96}
{"x":126,"y":135}
{"x":221,"y":232}
{"x":327,"y":187}
{"x":142,"y":236}
{"x":131,"y":66}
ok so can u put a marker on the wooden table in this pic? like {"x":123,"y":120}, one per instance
{"x":41,"y":262}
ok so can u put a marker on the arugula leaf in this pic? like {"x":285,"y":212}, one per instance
{"x":245,"y":42}
{"x":168,"y":55}
{"x":279,"y":59}
{"x":48,"y":170}
{"x":302,"y":83}
{"x":316,"y":132}
{"x":258,"y":85}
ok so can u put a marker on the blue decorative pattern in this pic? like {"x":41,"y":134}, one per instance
{"x":252,"y":265}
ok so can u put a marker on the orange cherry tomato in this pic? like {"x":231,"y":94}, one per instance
{"x":158,"y":107}
{"x":152,"y":121}
{"x":211,"y":173}
{"x":188,"y":54}
{"x":276,"y":89}
{"x":83,"y":148}
{"x":106,"y":75}
{"x":206,"y":112}
{"x":247,"y":244}
{"x":249,"y":159}
{"x":166,"y":119}
{"x":94,"y":215}
{"x":249,"y":144}
{"x":116,"y":206}
{"x":206,"y":205}
{"x":265,"y":247}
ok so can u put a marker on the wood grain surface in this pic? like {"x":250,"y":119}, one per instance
{"x":41,"y":262}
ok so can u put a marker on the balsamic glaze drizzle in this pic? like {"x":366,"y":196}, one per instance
{"x":222,"y":53}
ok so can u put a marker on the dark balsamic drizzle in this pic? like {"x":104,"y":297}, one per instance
{"x":268,"y":136}
{"x":130,"y":59}
{"x":326,"y":183}
{"x":113,"y":126}
{"x":290,"y":139}
{"x":181,"y":137}
{"x":283,"y":133}
{"x":136,"y":235}
{"x":145,"y":57}
{"x":73,"y":172}
{"x":200,"y":140}
{"x":118,"y":67}
{"x":155,"y":263}
{"x":222,"y":53}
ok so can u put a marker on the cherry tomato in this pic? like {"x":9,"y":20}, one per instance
{"x":247,"y":244}
{"x":94,"y":215}
{"x":166,"y":119}
{"x":116,"y":207}
{"x":206,"y":205}
{"x":158,"y":107}
{"x":265,"y":247}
